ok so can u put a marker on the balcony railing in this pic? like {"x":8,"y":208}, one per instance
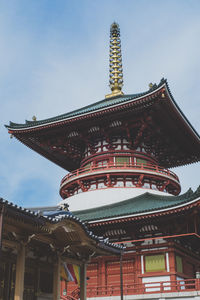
{"x":122,"y":167}
{"x":184,"y":285}
{"x":176,"y":286}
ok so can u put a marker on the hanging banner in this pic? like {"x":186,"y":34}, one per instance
{"x":69,"y":272}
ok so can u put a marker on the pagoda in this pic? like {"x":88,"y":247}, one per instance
{"x":118,"y":152}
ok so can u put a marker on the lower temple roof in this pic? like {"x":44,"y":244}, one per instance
{"x":143,"y":204}
{"x":52,"y":220}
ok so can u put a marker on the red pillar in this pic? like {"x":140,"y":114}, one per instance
{"x":138,"y":271}
{"x":172,"y":267}
{"x":102,"y":275}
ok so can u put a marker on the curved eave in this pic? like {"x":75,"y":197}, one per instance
{"x":179,"y":111}
{"x":58,"y":220}
{"x":61,"y":120}
{"x":148,"y":214}
{"x":169,"y":112}
{"x":67,"y":164}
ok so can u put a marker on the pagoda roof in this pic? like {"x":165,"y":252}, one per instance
{"x":141,"y":205}
{"x":171,"y":128}
{"x":105,"y":103}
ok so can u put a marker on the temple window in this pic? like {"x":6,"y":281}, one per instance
{"x":155,"y":263}
{"x":141,"y":161}
{"x":102,"y":163}
{"x":179,"y":264}
{"x":121,"y":160}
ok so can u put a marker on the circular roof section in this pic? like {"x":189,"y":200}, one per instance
{"x":101,"y":197}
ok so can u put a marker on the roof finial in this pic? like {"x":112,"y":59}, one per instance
{"x":116,"y":74}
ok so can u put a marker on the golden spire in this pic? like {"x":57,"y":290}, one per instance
{"x":116,"y":75}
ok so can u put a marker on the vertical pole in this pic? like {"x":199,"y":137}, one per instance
{"x":121,"y":276}
{"x":83,"y":268}
{"x":1,"y":226}
{"x":56,"y":279}
{"x":36,"y":278}
{"x":195,"y":223}
{"x":19,"y":277}
{"x":7,"y":280}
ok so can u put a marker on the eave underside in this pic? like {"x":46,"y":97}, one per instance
{"x":182,"y":225}
{"x":66,"y":233}
{"x":166,"y":133}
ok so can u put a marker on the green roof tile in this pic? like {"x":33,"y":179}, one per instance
{"x":146,"y":202}
{"x":108,"y":102}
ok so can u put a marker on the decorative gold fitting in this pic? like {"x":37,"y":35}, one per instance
{"x":114,"y":94}
{"x":116,"y":73}
{"x":150,"y":85}
{"x":34,"y":118}
{"x":163,"y":95}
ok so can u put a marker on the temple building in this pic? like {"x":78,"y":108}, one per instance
{"x":35,"y":247}
{"x":118,"y":153}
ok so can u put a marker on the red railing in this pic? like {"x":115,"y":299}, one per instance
{"x":184,"y":285}
{"x":74,"y":295}
{"x":117,"y":166}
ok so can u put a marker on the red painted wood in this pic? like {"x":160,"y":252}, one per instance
{"x":92,"y":274}
{"x":186,"y":285}
{"x":111,"y":174}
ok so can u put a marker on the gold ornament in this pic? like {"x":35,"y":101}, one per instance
{"x":116,"y":71}
{"x":150,"y":85}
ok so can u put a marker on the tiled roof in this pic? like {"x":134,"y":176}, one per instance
{"x":144,"y":203}
{"x":56,"y":217}
{"x":167,"y":116}
{"x":108,"y":102}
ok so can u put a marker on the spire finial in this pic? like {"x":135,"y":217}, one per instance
{"x":116,"y":74}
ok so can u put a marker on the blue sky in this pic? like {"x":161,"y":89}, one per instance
{"x":54,"y":58}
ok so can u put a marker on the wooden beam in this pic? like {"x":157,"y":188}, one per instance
{"x":44,"y":238}
{"x":10,"y":244}
{"x":19,"y":277}
{"x":83,"y":281}
{"x":70,"y":260}
{"x":56,"y":279}
{"x":22,"y":229}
